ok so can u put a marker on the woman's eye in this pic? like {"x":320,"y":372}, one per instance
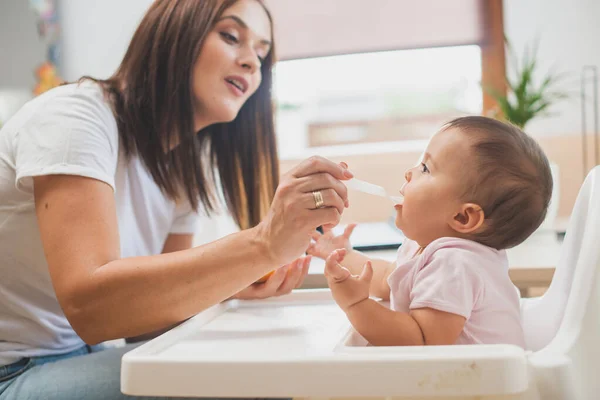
{"x":229,"y":37}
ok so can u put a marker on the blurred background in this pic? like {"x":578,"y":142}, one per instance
{"x":366,"y":82}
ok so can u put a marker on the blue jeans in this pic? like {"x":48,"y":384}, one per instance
{"x":90,"y":373}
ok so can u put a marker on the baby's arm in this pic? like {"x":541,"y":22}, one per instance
{"x":379,"y":325}
{"x":354,"y":260}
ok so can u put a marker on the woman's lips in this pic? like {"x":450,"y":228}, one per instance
{"x":236,"y":91}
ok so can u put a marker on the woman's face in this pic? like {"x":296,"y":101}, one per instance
{"x":227,"y":71}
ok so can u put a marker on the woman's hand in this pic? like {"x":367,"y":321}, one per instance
{"x":347,"y":289}
{"x":325,"y":243}
{"x":282,"y":281}
{"x":297,"y":211}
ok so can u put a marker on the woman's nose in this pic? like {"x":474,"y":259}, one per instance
{"x":249,"y":60}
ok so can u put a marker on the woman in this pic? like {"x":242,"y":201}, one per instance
{"x":100,"y":184}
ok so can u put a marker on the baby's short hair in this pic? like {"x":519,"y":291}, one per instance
{"x":511,"y":181}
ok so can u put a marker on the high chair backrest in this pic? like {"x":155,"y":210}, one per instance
{"x":555,"y":311}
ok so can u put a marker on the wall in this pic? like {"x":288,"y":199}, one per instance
{"x":569,"y":39}
{"x":21,"y":50}
{"x":95,"y":34}
{"x":569,"y":35}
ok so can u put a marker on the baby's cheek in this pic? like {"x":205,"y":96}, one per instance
{"x":398,"y":220}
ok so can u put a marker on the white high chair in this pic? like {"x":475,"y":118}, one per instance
{"x":562,"y":327}
{"x":299,"y":345}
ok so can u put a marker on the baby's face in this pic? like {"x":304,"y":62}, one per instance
{"x":432,"y":189}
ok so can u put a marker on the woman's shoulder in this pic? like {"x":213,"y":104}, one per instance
{"x":80,"y":97}
{"x":69,"y":130}
{"x":75,"y":101}
{"x":77,"y":110}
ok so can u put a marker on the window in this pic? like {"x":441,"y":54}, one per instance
{"x":373,"y":98}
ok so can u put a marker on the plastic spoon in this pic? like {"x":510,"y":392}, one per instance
{"x":370,"y":188}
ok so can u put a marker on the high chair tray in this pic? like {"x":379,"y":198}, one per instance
{"x":301,"y":345}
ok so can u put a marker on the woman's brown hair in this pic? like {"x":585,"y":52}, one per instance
{"x":151,"y":94}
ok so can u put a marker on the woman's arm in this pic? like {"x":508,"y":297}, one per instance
{"x":174,"y":242}
{"x":105,"y":297}
{"x":282,"y":282}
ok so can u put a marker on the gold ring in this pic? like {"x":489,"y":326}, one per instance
{"x":318,"y":199}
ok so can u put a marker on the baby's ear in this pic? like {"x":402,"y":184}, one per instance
{"x":468,"y":219}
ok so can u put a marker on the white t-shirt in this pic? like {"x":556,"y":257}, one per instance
{"x":68,"y":130}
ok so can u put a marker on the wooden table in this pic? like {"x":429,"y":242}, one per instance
{"x":531,"y":264}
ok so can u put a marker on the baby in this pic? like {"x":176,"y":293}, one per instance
{"x":482,"y":186}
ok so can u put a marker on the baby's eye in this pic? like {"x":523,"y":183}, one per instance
{"x":424,"y":168}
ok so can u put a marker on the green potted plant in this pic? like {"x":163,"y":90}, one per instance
{"x":525,"y":99}
{"x":529,"y":95}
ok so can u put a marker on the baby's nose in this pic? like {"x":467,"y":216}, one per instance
{"x":408,"y":175}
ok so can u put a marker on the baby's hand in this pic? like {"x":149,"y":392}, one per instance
{"x":347,"y":289}
{"x":324,"y":244}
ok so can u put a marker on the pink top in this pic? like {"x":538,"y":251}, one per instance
{"x":461,"y":277}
